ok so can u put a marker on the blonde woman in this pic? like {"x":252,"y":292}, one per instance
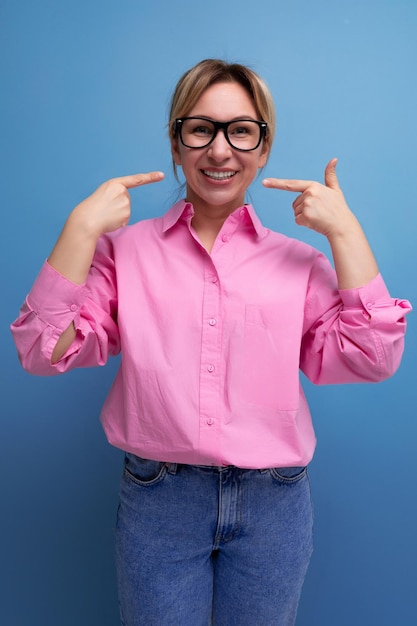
{"x":214,"y":315}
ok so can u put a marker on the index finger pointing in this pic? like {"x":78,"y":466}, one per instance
{"x":287,"y":184}
{"x":135,"y":180}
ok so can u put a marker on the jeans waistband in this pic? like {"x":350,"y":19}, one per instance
{"x":173,"y":467}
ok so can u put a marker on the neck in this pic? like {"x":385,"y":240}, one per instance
{"x":207,"y":228}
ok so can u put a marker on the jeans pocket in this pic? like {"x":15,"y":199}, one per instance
{"x":143,"y":471}
{"x":288,"y":475}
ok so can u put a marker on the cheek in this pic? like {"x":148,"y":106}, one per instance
{"x":186,"y":158}
{"x":254,"y":164}
{"x":189,"y":163}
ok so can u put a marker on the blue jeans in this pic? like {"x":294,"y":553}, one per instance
{"x":202,"y":545}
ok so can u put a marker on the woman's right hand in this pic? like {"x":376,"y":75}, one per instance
{"x":108,"y":207}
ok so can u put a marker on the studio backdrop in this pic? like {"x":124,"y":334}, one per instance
{"x":85,"y":87}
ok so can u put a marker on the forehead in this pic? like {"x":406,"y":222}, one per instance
{"x":225,"y":101}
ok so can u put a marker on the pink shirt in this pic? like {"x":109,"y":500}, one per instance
{"x":212,"y":344}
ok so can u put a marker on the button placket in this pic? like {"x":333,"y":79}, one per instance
{"x":210,"y":348}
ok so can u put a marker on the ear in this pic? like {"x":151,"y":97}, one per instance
{"x":176,"y":156}
{"x":263,"y":157}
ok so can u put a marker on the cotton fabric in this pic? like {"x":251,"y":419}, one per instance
{"x":212,"y":344}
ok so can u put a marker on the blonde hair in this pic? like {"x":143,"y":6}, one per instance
{"x":210,"y":71}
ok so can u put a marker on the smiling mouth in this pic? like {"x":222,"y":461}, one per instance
{"x":219,"y":175}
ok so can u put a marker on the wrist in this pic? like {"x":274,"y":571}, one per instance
{"x":82,"y":227}
{"x":344,"y":230}
{"x":73,"y":252}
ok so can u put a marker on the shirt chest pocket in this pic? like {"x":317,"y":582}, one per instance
{"x":270,"y":358}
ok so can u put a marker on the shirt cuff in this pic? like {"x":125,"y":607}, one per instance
{"x":367,"y":296}
{"x":55,"y":299}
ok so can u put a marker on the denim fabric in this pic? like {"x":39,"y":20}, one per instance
{"x":211,"y":545}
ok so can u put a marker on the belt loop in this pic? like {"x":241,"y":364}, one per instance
{"x":172,"y":468}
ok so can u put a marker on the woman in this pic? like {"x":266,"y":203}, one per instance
{"x":214,"y":315}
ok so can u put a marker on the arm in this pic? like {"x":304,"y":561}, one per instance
{"x":324,"y":209}
{"x":354,"y":331}
{"x":350,"y":336}
{"x":106,"y":210}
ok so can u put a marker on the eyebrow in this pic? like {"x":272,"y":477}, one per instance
{"x":234,"y":119}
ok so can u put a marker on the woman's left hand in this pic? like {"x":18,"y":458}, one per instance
{"x":322,"y":208}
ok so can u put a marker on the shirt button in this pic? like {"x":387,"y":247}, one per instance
{"x":73,"y":307}
{"x":214,"y":279}
{"x":242,"y":212}
{"x":210,"y":368}
{"x":212,"y":322}
{"x":210,"y":421}
{"x":369,"y":305}
{"x":225,"y":238}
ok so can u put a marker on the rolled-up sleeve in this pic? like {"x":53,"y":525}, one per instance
{"x":354,"y":335}
{"x":52,"y":305}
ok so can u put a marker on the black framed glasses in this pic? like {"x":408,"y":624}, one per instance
{"x":200,"y":132}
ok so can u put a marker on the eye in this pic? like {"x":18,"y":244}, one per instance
{"x":240,"y":130}
{"x":243,"y":129}
{"x":200,"y":129}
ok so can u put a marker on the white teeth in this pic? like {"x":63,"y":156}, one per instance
{"x":219,"y":175}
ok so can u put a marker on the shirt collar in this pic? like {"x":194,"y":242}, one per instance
{"x":184,"y":209}
{"x":181,"y":209}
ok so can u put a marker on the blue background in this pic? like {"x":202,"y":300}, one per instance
{"x":85,"y":89}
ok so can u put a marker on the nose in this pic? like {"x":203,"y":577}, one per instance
{"x":220,"y":149}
